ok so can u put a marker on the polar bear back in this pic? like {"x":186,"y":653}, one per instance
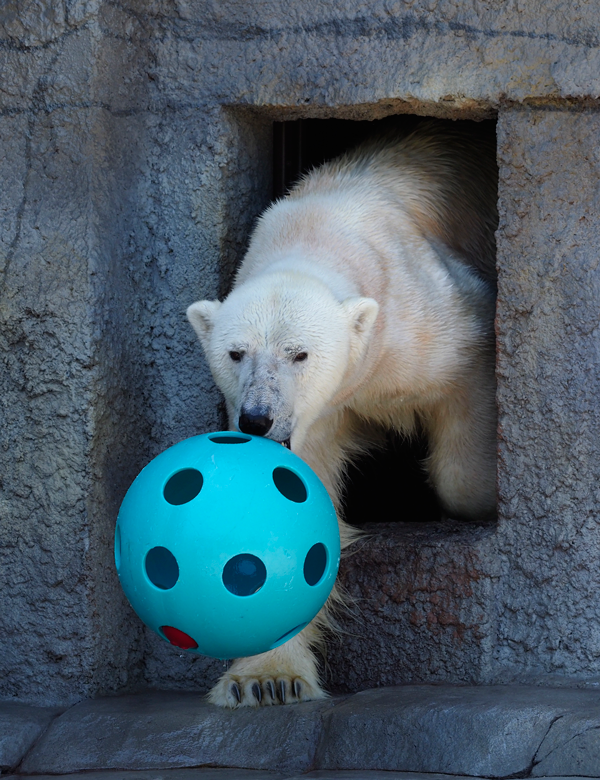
{"x":443,"y":176}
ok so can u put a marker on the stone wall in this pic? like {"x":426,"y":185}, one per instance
{"x":135,"y":153}
{"x":549,"y":392}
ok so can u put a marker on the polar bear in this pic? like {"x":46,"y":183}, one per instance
{"x":365,"y":300}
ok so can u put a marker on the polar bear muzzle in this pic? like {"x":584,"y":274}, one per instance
{"x":255,"y":421}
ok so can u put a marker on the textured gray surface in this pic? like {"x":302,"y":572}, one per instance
{"x":548,"y":394}
{"x":353,"y":51}
{"x":135,"y":154}
{"x":20,"y":726}
{"x":249,"y":774}
{"x":494,"y":731}
{"x":245,"y":774}
{"x":362,"y":774}
{"x":485,"y":731}
{"x":168,"y":730}
{"x":420,"y":607}
{"x":571,"y":745}
{"x":257,"y":774}
{"x":207,"y":773}
{"x":368,"y":774}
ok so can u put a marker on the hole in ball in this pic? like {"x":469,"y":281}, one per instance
{"x":289,"y":485}
{"x":244,"y":574}
{"x":178,"y":638}
{"x":234,"y":439}
{"x":118,"y":548}
{"x":315,"y":563}
{"x":183,"y":486}
{"x":289,"y":634}
{"x":162,"y":568}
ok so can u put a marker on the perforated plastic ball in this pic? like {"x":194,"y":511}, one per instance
{"x":227,"y":545}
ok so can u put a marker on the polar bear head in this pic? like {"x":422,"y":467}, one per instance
{"x":281,"y":347}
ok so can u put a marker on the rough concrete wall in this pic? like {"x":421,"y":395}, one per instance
{"x":93,"y":323}
{"x":61,"y":392}
{"x":135,"y":155}
{"x":429,"y":56}
{"x":420,"y":607}
{"x":47,"y":332}
{"x":104,"y":199}
{"x":549,"y":393}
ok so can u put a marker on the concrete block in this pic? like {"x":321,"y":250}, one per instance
{"x":244,"y":774}
{"x":208,"y":773}
{"x":421,"y":607}
{"x":20,"y":727}
{"x":548,"y":371}
{"x":571,"y":745}
{"x":483,"y":731}
{"x":362,"y":774}
{"x":166,"y":730}
{"x":385,"y":54}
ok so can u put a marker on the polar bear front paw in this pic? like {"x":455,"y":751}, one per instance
{"x":282,"y":676}
{"x":234,"y":690}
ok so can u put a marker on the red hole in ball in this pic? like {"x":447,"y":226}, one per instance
{"x":179,"y":638}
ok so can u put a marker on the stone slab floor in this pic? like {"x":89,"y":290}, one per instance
{"x":410,"y":732}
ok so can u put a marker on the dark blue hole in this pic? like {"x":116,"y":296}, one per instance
{"x":289,"y":485}
{"x":233,"y":439}
{"x":162,"y":568}
{"x":183,"y":486}
{"x":291,"y":632}
{"x":315,"y":563}
{"x":244,"y":574}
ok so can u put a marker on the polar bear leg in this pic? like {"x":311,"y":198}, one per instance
{"x":282,"y":676}
{"x":462,"y":451}
{"x":290,"y":672}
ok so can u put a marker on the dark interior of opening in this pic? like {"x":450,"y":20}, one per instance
{"x":388,"y":485}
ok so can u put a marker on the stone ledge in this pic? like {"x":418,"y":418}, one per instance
{"x":257,"y":774}
{"x":209,"y":773}
{"x":159,"y":730}
{"x":20,"y":726}
{"x":493,"y":731}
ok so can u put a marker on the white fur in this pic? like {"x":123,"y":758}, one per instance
{"x":368,"y":268}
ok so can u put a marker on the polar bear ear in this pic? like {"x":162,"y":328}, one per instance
{"x":361,"y":313}
{"x":202,"y":316}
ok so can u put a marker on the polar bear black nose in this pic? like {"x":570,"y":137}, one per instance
{"x":255,"y":422}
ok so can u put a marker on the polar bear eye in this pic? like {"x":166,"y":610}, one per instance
{"x":235,"y":356}
{"x":300,"y":357}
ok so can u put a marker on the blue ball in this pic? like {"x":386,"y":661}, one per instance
{"x":227,"y":545}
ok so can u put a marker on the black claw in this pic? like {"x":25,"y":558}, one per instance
{"x":271,"y":685}
{"x":282,"y":691}
{"x":235,"y":689}
{"x":297,"y":689}
{"x":257,"y":692}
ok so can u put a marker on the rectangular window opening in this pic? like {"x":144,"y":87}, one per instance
{"x":389,"y":485}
